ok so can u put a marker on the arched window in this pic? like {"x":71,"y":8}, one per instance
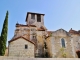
{"x":63,"y":42}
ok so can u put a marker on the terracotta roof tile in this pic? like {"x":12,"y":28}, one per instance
{"x":74,"y":32}
{"x":21,"y":37}
{"x":41,"y":28}
{"x":27,"y":36}
{"x":21,"y":25}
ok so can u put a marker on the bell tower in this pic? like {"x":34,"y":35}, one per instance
{"x":35,"y":19}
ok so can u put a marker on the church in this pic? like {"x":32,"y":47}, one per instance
{"x":33,"y":40}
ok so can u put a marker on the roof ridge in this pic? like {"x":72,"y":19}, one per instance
{"x":21,"y":37}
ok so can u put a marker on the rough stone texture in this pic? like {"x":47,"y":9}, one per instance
{"x":75,"y":39}
{"x":40,"y":42}
{"x":32,"y":32}
{"x":6,"y":52}
{"x":34,"y":21}
{"x":49,"y":46}
{"x":52,"y":39}
{"x":54,"y":44}
{"x":17,"y":48}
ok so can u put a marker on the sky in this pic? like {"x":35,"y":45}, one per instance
{"x":63,"y":14}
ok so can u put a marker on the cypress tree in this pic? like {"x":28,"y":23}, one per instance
{"x":3,"y":38}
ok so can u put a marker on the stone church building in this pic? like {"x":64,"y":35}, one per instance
{"x":33,"y":40}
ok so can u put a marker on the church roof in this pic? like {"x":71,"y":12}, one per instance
{"x":74,"y":31}
{"x":34,"y":13}
{"x":61,"y":32}
{"x":49,"y":32}
{"x":42,"y":28}
{"x":21,"y":37}
{"x":39,"y":29}
{"x":21,"y":25}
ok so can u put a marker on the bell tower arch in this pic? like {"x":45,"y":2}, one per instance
{"x":35,"y":19}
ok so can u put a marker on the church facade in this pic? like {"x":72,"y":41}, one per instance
{"x":34,"y":40}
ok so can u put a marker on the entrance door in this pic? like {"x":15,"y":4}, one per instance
{"x":78,"y":54}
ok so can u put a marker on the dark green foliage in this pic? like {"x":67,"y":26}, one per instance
{"x":0,"y":42}
{"x":3,"y":38}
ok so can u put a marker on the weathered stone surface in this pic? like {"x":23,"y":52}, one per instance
{"x":54,"y":44}
{"x":39,"y":36}
{"x":34,"y":21}
{"x":17,"y":48}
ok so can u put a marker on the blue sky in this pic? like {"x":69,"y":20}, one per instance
{"x":58,"y":13}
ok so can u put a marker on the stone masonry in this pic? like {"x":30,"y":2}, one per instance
{"x":59,"y":43}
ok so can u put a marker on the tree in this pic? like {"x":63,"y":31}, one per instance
{"x":3,"y":38}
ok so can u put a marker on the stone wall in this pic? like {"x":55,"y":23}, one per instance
{"x":50,"y":48}
{"x":54,"y":44}
{"x":20,"y":31}
{"x":6,"y":52}
{"x":17,"y":48}
{"x":75,"y":39}
{"x":40,"y":42}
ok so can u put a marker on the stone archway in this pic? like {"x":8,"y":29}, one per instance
{"x":78,"y":53}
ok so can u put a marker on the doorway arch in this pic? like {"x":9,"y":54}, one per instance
{"x":78,"y":53}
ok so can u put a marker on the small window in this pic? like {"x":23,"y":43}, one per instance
{"x":34,"y":37}
{"x":26,"y":46}
{"x":63,"y":42}
{"x":32,"y":16}
{"x":38,"y":18}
